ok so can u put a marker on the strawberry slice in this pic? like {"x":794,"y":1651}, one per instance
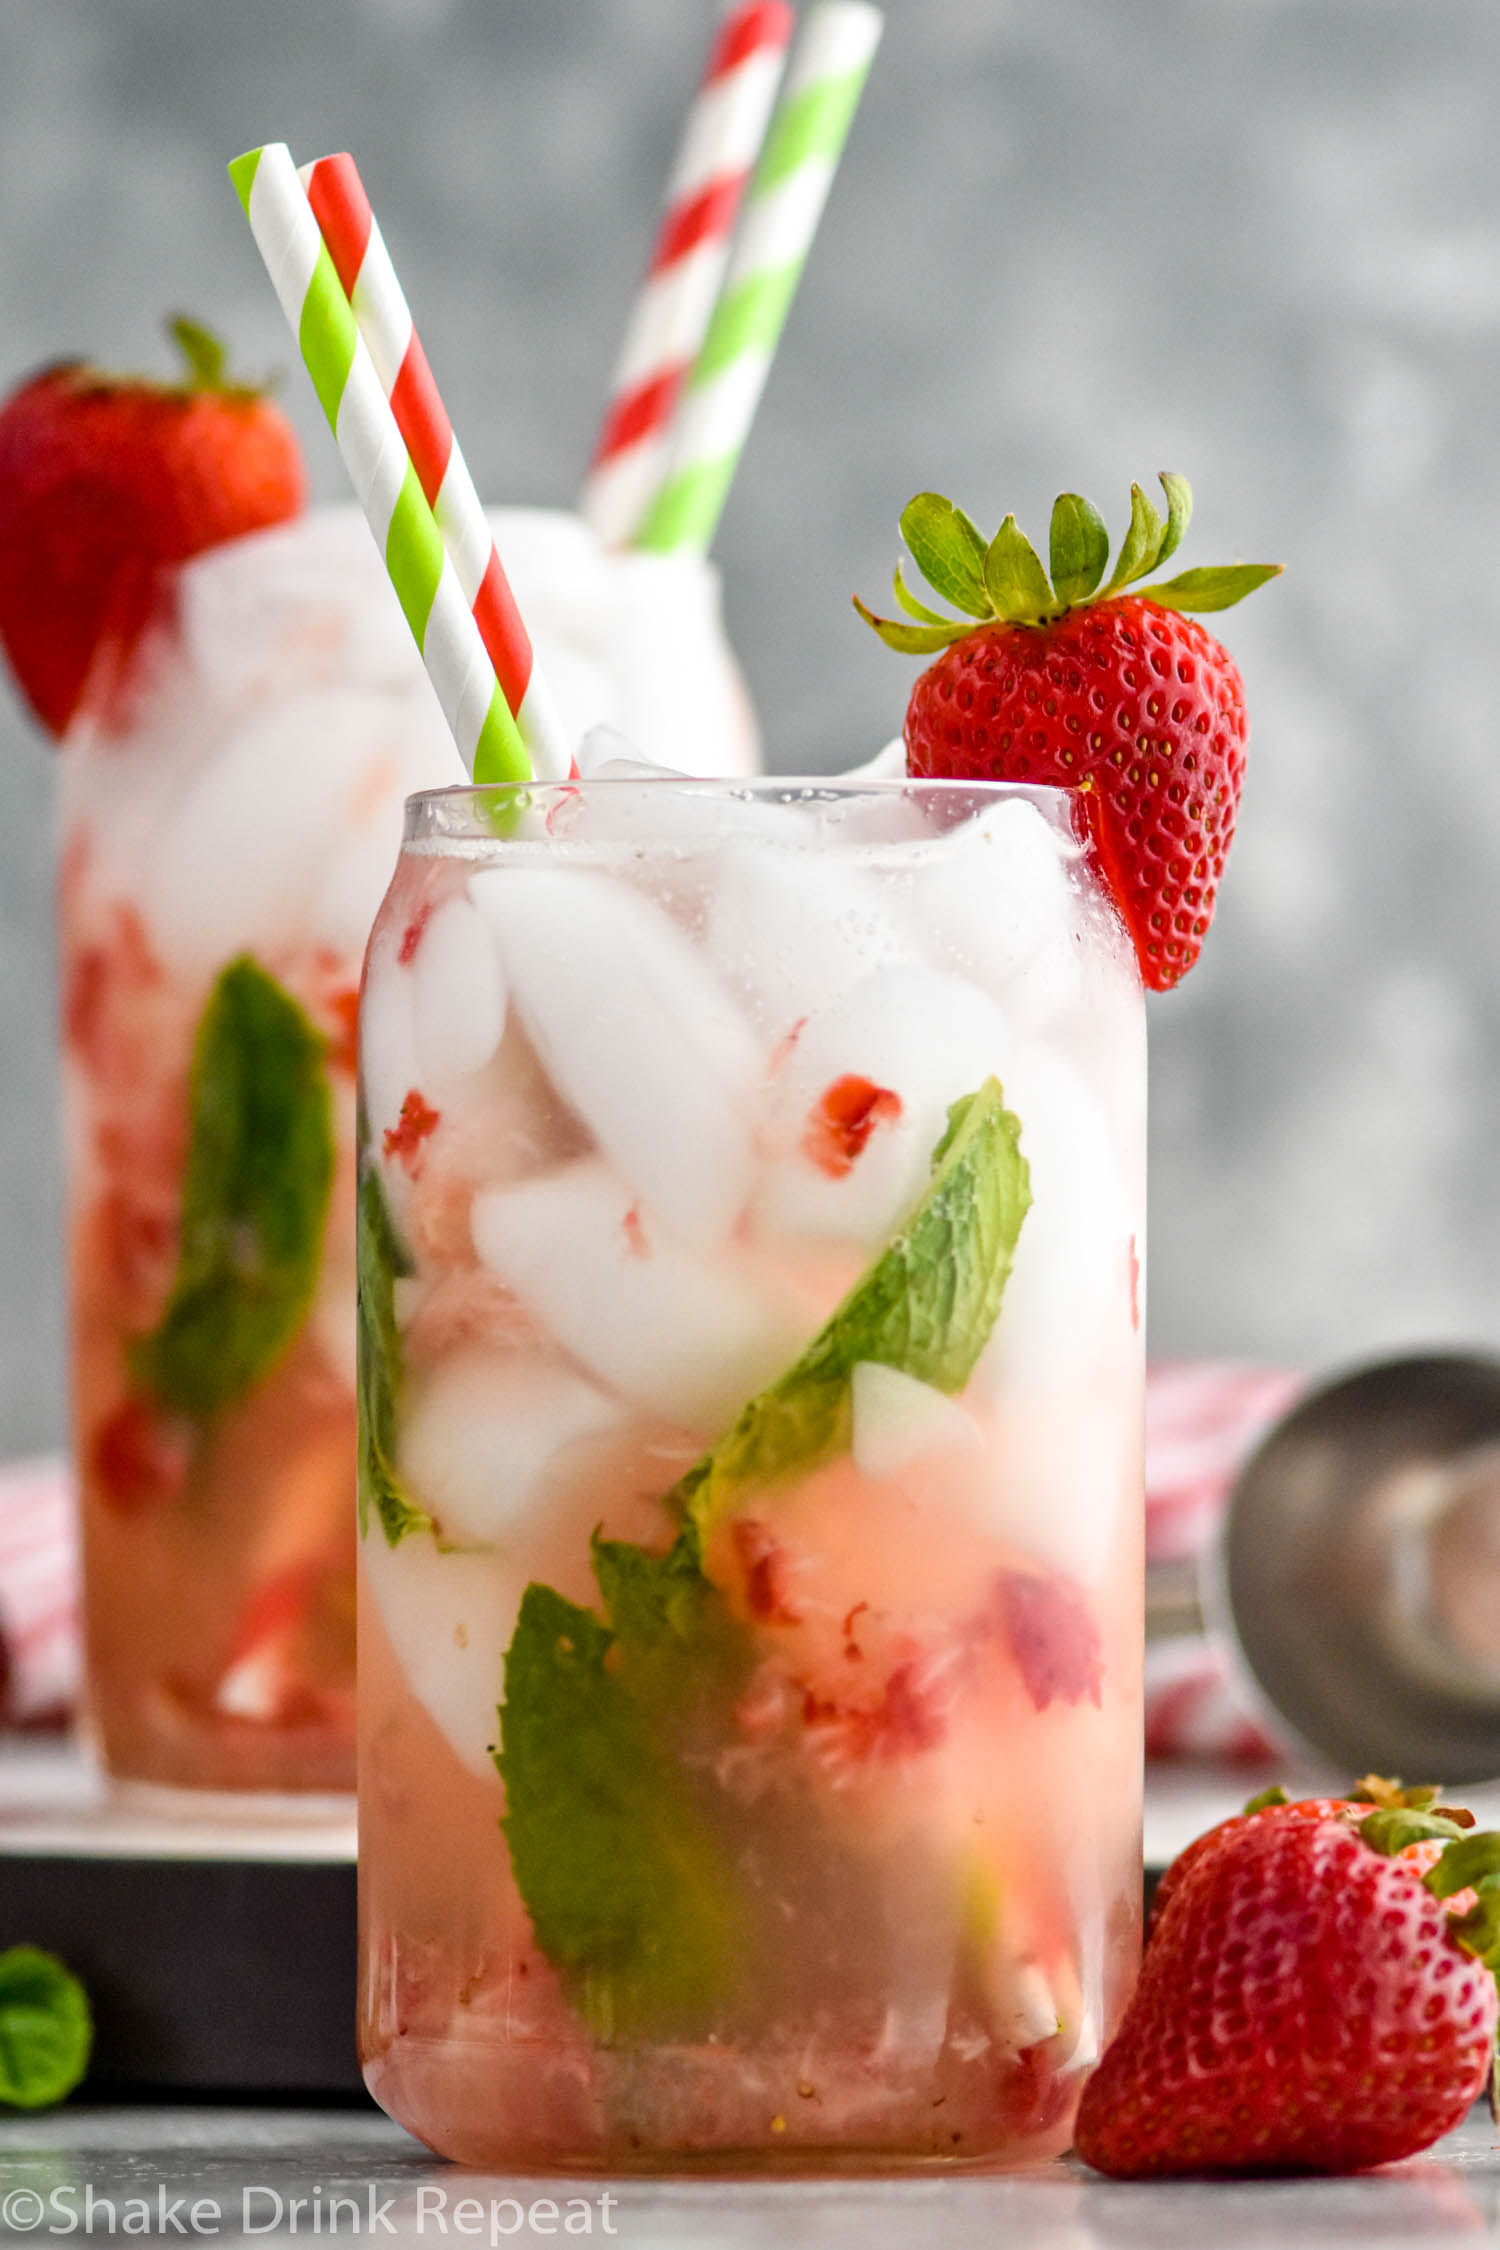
{"x":103,"y":478}
{"x":1077,"y":684}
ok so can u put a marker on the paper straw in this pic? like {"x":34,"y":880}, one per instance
{"x":725,"y":127}
{"x":823,"y":85}
{"x":385,"y":482}
{"x":363,"y":264}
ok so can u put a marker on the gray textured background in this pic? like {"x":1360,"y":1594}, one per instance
{"x":1073,"y":242}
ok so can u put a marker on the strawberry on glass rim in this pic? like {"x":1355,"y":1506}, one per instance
{"x":104,"y":478}
{"x":1076,"y":683}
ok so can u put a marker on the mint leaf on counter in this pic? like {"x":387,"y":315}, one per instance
{"x":254,"y":1199}
{"x":380,"y":1259}
{"x":46,"y":2029}
{"x":926,"y":1307}
{"x":619,"y":1838}
{"x":629,"y":1885}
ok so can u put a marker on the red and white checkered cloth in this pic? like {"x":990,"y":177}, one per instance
{"x":41,"y":1641}
{"x":1203,"y":1419}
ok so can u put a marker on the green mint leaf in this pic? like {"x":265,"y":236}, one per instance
{"x":926,"y":1307}
{"x":254,"y":1198}
{"x":1140,"y":550}
{"x":948,"y":551}
{"x":627,"y":1882}
{"x":1218,"y":586}
{"x":1078,"y":547}
{"x":912,"y":640}
{"x":620,"y":1859}
{"x":1014,"y":578}
{"x":1179,"y":515}
{"x":46,"y":2029}
{"x":380,"y":1258}
{"x":916,"y":609}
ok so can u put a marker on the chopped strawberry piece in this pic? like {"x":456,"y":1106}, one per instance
{"x":403,"y":1140}
{"x":767,"y":1567}
{"x":411,"y":936}
{"x":909,"y":1716}
{"x":786,"y":1045}
{"x":1051,"y":1633}
{"x":139,"y":1460}
{"x":842,"y":1120}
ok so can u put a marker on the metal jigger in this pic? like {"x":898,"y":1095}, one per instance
{"x":1361,"y":1569}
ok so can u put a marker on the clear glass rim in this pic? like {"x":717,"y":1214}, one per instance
{"x":479,"y":809}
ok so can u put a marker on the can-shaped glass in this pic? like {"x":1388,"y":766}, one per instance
{"x":232,"y":811}
{"x":751,"y":1207}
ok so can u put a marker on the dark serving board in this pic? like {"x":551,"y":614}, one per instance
{"x":217,"y":1950}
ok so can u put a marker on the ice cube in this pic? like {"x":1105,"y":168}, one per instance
{"x":605,"y":754}
{"x":483,"y":1430}
{"x":387,"y":1045}
{"x":1071,"y":1271}
{"x":792,"y":931}
{"x":916,"y":1039}
{"x":636,"y":1035}
{"x":996,"y":898}
{"x":458,"y":994}
{"x":899,"y":1420}
{"x":691,"y":1337}
{"x":449,"y":1618}
{"x":243,"y":863}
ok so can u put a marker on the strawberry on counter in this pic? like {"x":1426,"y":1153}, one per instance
{"x":104,"y":477}
{"x":1318,"y":1993}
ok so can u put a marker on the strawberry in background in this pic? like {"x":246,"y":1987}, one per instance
{"x":103,"y":478}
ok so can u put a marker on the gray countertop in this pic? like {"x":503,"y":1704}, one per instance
{"x":235,"y":2175}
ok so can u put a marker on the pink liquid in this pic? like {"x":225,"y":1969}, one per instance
{"x":923,"y":1786}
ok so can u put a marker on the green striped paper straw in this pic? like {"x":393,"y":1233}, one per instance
{"x":808,"y":130}
{"x":374,"y":452}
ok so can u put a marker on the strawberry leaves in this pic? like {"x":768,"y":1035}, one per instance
{"x":1005,"y":583}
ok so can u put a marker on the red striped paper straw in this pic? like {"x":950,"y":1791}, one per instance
{"x":354,"y":242}
{"x":725,"y":128}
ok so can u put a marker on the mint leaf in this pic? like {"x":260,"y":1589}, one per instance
{"x":620,"y":1840}
{"x":1078,"y":547}
{"x":627,"y":1881}
{"x":948,"y":551}
{"x":46,"y":2030}
{"x":379,"y":1259}
{"x":926,"y":1307}
{"x":254,"y":1199}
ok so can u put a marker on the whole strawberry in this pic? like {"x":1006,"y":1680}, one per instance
{"x":1074,"y":683}
{"x":1310,"y":1999}
{"x":103,"y":478}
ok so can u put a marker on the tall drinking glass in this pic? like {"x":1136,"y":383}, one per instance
{"x":232,"y":813}
{"x":751,"y":1201}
